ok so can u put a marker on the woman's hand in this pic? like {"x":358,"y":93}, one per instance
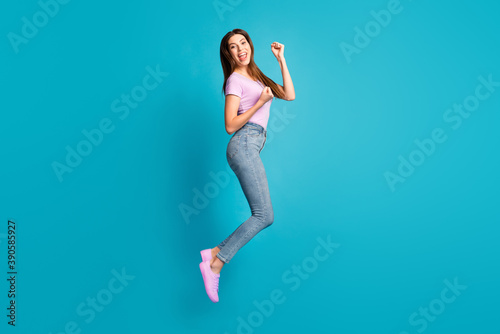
{"x":266,"y":95}
{"x":278,"y":50}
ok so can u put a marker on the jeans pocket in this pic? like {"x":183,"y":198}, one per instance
{"x":253,"y":132}
{"x":233,"y":146}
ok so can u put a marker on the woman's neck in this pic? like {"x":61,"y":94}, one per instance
{"x":243,"y":71}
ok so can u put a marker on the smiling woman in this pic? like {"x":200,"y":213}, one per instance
{"x":238,"y":43}
{"x":249,"y":95}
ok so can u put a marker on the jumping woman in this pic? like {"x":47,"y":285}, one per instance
{"x":249,"y":95}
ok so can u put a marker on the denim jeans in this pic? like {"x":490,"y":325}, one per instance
{"x":243,"y":156}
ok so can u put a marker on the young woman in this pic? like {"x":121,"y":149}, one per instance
{"x":249,"y":95}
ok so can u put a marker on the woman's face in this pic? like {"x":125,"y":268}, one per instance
{"x":240,"y":49}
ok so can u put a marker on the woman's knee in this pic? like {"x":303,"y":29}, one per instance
{"x":268,"y":218}
{"x":265,"y":217}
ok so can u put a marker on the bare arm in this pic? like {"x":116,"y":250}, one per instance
{"x":287,"y":80}
{"x":278,"y":50}
{"x":234,"y":121}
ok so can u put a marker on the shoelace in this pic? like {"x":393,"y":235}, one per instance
{"x":216,"y":285}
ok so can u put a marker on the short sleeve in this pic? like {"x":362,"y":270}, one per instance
{"x":233,"y":87}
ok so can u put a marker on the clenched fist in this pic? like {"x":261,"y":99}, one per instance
{"x":266,"y":95}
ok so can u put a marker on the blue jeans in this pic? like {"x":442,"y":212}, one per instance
{"x":243,"y":156}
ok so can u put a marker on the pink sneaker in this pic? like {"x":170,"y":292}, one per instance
{"x":211,"y":280}
{"x":206,"y":254}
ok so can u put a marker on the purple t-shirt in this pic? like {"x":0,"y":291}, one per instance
{"x":249,"y":91}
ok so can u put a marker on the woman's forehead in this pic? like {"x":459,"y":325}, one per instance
{"x":236,"y":38}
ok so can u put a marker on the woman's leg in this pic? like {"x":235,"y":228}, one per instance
{"x":215,"y":250}
{"x":249,"y":169}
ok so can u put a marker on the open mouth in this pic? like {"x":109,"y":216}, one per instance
{"x":243,"y":56}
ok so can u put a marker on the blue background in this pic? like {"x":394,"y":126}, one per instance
{"x":119,"y":209}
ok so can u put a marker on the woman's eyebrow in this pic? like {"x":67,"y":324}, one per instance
{"x":235,"y":43}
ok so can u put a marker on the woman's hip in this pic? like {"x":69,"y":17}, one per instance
{"x":247,"y":142}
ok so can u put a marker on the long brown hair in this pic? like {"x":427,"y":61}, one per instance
{"x":228,"y":64}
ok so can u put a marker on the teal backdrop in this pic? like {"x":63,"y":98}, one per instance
{"x":383,"y":171}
